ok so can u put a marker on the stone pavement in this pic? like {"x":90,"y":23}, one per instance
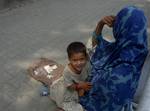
{"x":44,"y":29}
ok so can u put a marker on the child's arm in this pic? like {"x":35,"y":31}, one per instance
{"x":82,"y":85}
{"x":73,"y":86}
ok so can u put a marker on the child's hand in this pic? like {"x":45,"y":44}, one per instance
{"x":81,"y":92}
{"x":84,"y":85}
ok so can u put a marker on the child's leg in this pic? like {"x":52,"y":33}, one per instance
{"x":59,"y":109}
{"x":72,"y":106}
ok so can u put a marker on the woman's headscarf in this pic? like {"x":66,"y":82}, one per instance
{"x":117,"y":66}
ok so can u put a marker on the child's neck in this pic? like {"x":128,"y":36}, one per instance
{"x":73,"y":69}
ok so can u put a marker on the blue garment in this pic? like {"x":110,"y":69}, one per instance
{"x":116,"y":67}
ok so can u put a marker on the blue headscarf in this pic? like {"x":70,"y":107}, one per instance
{"x":116,"y":67}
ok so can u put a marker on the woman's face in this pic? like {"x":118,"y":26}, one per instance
{"x":78,"y":61}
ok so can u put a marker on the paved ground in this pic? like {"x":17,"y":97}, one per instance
{"x":43,"y":29}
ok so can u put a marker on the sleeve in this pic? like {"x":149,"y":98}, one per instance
{"x":97,"y":37}
{"x":101,"y":41}
{"x":67,"y":79}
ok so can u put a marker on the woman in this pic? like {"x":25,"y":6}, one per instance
{"x":117,"y":65}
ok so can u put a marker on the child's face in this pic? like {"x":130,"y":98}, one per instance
{"x":78,"y":61}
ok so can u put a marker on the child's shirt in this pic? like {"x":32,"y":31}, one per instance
{"x":71,"y":78}
{"x":63,"y":95}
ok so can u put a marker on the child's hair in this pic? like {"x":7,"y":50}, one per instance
{"x":76,"y":47}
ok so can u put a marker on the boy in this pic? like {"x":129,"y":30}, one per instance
{"x":75,"y":74}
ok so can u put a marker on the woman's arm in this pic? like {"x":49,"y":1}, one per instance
{"x":107,"y":20}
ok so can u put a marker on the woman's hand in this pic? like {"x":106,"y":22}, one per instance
{"x":107,"y":20}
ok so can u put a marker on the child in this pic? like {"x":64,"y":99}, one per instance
{"x":75,"y":74}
